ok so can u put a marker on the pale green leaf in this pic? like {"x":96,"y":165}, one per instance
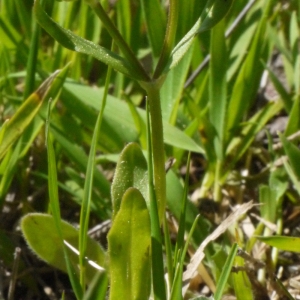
{"x":131,"y":171}
{"x":42,"y":237}
{"x":129,"y":249}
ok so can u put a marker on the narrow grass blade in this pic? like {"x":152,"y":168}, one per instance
{"x":213,"y":12}
{"x":247,"y":82}
{"x":8,"y":168}
{"x":129,"y":243}
{"x":23,"y":16}
{"x":225,"y":272}
{"x":285,"y":97}
{"x":176,"y":290}
{"x":293,"y":124}
{"x":218,"y":87}
{"x":125,"y":19}
{"x":293,"y":154}
{"x":285,"y":243}
{"x":24,"y":115}
{"x":97,"y":289}
{"x":88,"y":187}
{"x":182,"y":221}
{"x":29,"y":134}
{"x":267,"y":197}
{"x":156,"y":24}
{"x":55,"y":210}
{"x":239,"y":145}
{"x":32,"y":61}
{"x":77,"y":154}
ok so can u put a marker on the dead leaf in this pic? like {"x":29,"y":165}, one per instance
{"x":199,"y":255}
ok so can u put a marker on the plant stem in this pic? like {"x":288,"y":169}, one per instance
{"x":152,"y":90}
{"x":156,"y":238}
{"x":118,"y":39}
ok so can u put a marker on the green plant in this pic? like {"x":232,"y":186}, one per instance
{"x":130,"y":66}
{"x":212,"y":117}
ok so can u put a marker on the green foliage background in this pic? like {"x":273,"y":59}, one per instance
{"x":215,"y":113}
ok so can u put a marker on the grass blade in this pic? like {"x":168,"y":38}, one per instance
{"x":182,"y":220}
{"x":213,"y":12}
{"x":88,"y":187}
{"x":218,"y":87}
{"x":285,"y":243}
{"x":156,"y":24}
{"x":25,"y":114}
{"x":251,"y":71}
{"x":225,"y":272}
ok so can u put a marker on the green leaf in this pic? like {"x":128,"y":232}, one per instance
{"x":156,"y":24}
{"x":55,"y":210}
{"x":225,"y":272}
{"x":42,"y":237}
{"x":73,"y":42}
{"x":240,"y":282}
{"x":171,"y":91}
{"x":77,"y":154}
{"x":239,"y":145}
{"x":118,"y":112}
{"x":285,"y":243}
{"x":247,"y":81}
{"x":267,"y":197}
{"x":129,"y":249}
{"x":218,"y":87}
{"x":213,"y":12}
{"x":293,"y":124}
{"x":131,"y":171}
{"x":285,"y":97}
{"x":88,"y":185}
{"x":14,"y":128}
{"x":293,"y":154}
{"x":97,"y":289}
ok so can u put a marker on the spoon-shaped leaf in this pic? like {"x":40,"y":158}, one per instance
{"x":131,"y":171}
{"x":42,"y":237}
{"x":129,"y":243}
